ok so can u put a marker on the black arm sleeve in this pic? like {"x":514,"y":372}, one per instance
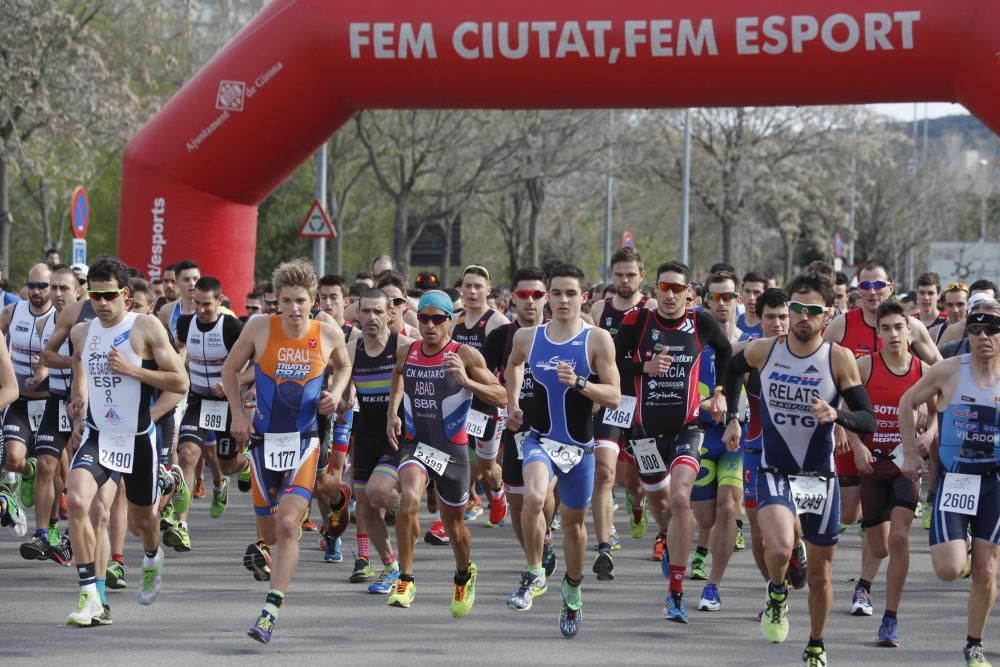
{"x":735,"y":371}
{"x":231,"y":328}
{"x":710,"y":332}
{"x":493,"y":349}
{"x":625,"y":342}
{"x":859,"y":417}
{"x":183,"y":326}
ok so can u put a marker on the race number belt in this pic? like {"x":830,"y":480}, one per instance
{"x":622,"y":415}
{"x":809,"y":493}
{"x":434,"y":459}
{"x":647,"y":456}
{"x":960,"y":493}
{"x":282,"y":451}
{"x":213,"y":415}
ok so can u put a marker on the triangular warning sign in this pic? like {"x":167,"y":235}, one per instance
{"x":317,"y":224}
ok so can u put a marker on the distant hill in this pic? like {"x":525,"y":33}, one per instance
{"x":973,"y":132}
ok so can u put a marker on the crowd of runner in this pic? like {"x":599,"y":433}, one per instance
{"x":803,"y":409}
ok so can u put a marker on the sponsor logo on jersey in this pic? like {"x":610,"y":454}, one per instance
{"x":120,"y":338}
{"x":795,"y":379}
{"x":553,"y":363}
{"x":112,"y":416}
{"x":313,"y":343}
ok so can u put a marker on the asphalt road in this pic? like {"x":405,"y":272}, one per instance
{"x":208,"y":601}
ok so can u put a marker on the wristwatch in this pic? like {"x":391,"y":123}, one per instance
{"x":730,"y":416}
{"x":581,"y":383}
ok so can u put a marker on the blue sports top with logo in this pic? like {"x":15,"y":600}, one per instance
{"x":793,"y":439}
{"x":560,"y":412}
{"x":970,"y":426}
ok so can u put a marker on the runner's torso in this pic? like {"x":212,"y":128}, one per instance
{"x":435,"y":406}
{"x":561,"y":413}
{"x":969,"y":426}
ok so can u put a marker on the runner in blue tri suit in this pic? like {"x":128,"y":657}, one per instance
{"x":967,"y":389}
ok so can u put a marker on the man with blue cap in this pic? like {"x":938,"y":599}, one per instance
{"x":435,"y":379}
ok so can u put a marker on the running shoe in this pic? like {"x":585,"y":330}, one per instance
{"x":465,"y":594}
{"x":402,"y":595}
{"x":164,"y":482}
{"x":887,"y":634}
{"x":814,"y":656}
{"x":62,"y":553}
{"x":116,"y":576}
{"x":613,"y":540}
{"x":673,"y":609}
{"x":386,"y":580}
{"x":362,"y":571}
{"x":741,"y":542}
{"x":168,"y":518}
{"x":182,"y":493}
{"x":570,"y":618}
{"x":220,"y":497}
{"x":665,"y":564}
{"x":774,"y":621}
{"x":798,"y":566}
{"x":698,"y":570}
{"x":339,"y":518}
{"x":257,"y":560}
{"x":105,"y":616}
{"x":604,"y":566}
{"x":861,"y":605}
{"x":63,"y":508}
{"x":11,"y":514}
{"x":659,"y":546}
{"x":556,"y":522}
{"x":549,"y":560}
{"x":333,"y":554}
{"x":498,"y":508}
{"x":199,"y":489}
{"x":151,"y":579}
{"x":966,"y":570}
{"x":928,"y":516}
{"x":436,"y":534}
{"x":975,"y":656}
{"x":638,"y":517}
{"x":27,"y":491}
{"x":53,"y":534}
{"x":35,"y":549}
{"x":710,"y":600}
{"x":918,"y":510}
{"x":178,"y":537}
{"x":88,"y":607}
{"x":243,"y":480}
{"x":309,"y":525}
{"x":524,"y":594}
{"x":262,"y":629}
{"x":473,"y":510}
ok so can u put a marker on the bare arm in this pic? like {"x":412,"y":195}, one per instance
{"x":926,"y":390}
{"x":393,"y":424}
{"x":606,"y":393}
{"x":836,"y":329}
{"x":169,"y":375}
{"x":469,"y":368}
{"x":64,"y":324}
{"x":8,"y":381}
{"x":340,"y":364}
{"x":922,"y":343}
{"x":514,"y":376}
{"x":239,"y":357}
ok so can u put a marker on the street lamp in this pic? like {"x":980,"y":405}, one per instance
{"x":982,"y":201}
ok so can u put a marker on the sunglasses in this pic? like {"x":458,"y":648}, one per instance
{"x":535,"y":294}
{"x":955,"y":286}
{"x":676,"y":288}
{"x":31,"y":284}
{"x":271,"y":302}
{"x":436,"y":320}
{"x":810,"y":309}
{"x":398,"y":300}
{"x":724,"y":297}
{"x":988,"y":329}
{"x":873,"y":285}
{"x":99,"y":295}
{"x":253,"y":309}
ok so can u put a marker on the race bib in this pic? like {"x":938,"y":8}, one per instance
{"x":213,"y":415}
{"x":809,"y":494}
{"x":434,"y":459}
{"x":116,"y":450}
{"x":35,"y":411}
{"x":564,"y":456}
{"x":475,"y":423}
{"x":281,"y":450}
{"x":65,"y":423}
{"x":960,"y":493}
{"x":897,"y":456}
{"x":622,"y":415}
{"x":519,"y":443}
{"x":647,"y":456}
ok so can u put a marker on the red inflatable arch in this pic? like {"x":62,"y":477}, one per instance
{"x":194,"y":175}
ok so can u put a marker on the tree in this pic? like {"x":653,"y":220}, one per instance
{"x":53,"y":81}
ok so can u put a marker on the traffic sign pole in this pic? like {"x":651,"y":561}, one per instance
{"x":319,"y":244}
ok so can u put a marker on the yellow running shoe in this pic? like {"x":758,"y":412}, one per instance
{"x":465,"y":595}
{"x":402,"y":594}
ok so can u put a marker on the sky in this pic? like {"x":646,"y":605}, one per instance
{"x":905,"y":111}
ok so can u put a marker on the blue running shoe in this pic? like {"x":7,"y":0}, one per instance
{"x":386,"y":580}
{"x":549,"y":559}
{"x":887,"y":635}
{"x":333,"y":553}
{"x":665,"y":563}
{"x":570,"y":620}
{"x":710,"y":600}
{"x":261,"y":630}
{"x":673,"y":609}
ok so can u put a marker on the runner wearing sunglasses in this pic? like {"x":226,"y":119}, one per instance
{"x":967,"y":389}
{"x":435,"y":380}
{"x":857,"y":330}
{"x":802,"y":378}
{"x":572,"y":367}
{"x":18,"y":323}
{"x":659,"y":356}
{"x":119,"y":359}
